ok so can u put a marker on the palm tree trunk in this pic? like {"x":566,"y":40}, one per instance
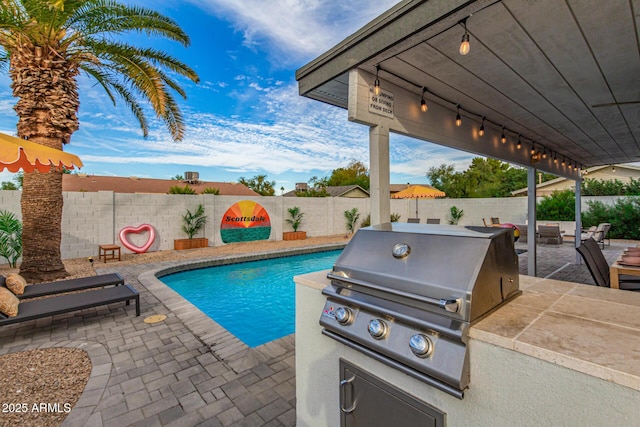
{"x":42,"y":229}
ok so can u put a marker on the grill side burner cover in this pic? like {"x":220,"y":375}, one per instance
{"x":406,"y":294}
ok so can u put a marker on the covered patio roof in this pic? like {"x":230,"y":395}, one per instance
{"x":561,"y":76}
{"x":554,"y":85}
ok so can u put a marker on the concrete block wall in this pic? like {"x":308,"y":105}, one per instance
{"x":91,"y":219}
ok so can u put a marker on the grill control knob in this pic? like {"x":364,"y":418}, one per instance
{"x":378,"y":328}
{"x":421,"y":345}
{"x":344,"y":316}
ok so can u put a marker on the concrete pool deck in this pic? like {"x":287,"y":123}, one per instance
{"x":186,"y":370}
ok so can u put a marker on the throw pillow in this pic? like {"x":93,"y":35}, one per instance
{"x":8,"y":303}
{"x":16,"y":283}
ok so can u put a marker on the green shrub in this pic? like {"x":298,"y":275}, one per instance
{"x":455,"y":214}
{"x":211,"y":190}
{"x":623,"y":215}
{"x":559,"y":206}
{"x":395,"y":217}
{"x":296,"y":217}
{"x":10,"y":237}
{"x":176,"y":189}
{"x":193,"y":222}
{"x":352,"y":217}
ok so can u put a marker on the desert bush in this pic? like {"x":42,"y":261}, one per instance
{"x":559,"y":206}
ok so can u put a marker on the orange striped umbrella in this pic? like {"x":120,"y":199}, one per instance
{"x":16,"y":154}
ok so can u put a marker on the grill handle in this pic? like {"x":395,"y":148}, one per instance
{"x":451,"y":305}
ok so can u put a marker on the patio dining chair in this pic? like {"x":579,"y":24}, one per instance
{"x":599,"y":267}
{"x":495,"y":221}
{"x":413,"y":220}
{"x":433,"y":220}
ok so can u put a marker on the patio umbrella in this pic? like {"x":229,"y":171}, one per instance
{"x":16,"y":154}
{"x":418,"y":192}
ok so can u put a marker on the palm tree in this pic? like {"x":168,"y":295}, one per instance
{"x":45,"y":45}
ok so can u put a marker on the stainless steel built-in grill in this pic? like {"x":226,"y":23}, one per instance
{"x":406,"y":294}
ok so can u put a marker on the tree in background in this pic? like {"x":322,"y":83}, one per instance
{"x":176,"y":189}
{"x":177,"y":177}
{"x":259,"y":184}
{"x":356,"y":173}
{"x":602,"y":187}
{"x":7,"y":185}
{"x":559,"y":206}
{"x":44,"y":46}
{"x":483,"y":178}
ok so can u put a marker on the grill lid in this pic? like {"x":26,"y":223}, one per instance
{"x":461,"y":272}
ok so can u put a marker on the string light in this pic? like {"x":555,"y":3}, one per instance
{"x":613,"y":169}
{"x":423,"y":104}
{"x":538,"y":154}
{"x":465,"y":47}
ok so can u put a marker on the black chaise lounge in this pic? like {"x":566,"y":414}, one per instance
{"x":30,"y":310}
{"x":70,"y":285}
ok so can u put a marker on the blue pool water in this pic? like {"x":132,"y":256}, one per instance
{"x":255,"y":301}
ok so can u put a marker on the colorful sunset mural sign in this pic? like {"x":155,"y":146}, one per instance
{"x":245,"y":221}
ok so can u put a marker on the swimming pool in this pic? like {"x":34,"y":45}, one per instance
{"x":255,"y":300}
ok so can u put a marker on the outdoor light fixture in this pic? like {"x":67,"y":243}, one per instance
{"x":544,"y":152}
{"x":503,"y":138}
{"x":563,"y":163}
{"x":613,"y":169}
{"x":481,"y":131}
{"x":458,"y":118}
{"x":464,"y":46}
{"x":519,"y":145}
{"x":555,"y":158}
{"x":423,"y":103}
{"x":376,"y":84}
{"x":533,"y":147}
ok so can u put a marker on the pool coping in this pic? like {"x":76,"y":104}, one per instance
{"x":222,"y":343}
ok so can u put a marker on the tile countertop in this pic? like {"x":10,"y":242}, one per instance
{"x":581,"y":327}
{"x":585,"y":328}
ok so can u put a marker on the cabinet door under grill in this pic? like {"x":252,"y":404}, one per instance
{"x":367,"y":401}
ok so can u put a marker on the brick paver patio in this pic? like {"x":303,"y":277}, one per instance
{"x":187,"y":370}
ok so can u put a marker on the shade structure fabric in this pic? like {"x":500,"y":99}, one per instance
{"x":418,"y":191}
{"x":16,"y":154}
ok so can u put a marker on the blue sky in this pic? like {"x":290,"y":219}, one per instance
{"x":245,"y":118}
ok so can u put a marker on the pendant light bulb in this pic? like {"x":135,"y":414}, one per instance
{"x":555,"y":159}
{"x":503,"y":138}
{"x":519,"y":145}
{"x":481,"y":131}
{"x":465,"y":47}
{"x":376,"y":83}
{"x":423,"y":104}
{"x":458,"y":118}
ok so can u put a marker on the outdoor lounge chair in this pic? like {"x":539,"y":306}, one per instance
{"x":600,"y":235}
{"x":549,"y":234}
{"x":433,"y":220}
{"x":30,"y":310}
{"x":599,"y":267}
{"x":70,"y":285}
{"x":413,"y":220}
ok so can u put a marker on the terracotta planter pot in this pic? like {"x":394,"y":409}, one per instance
{"x":294,"y":235}
{"x":181,"y":244}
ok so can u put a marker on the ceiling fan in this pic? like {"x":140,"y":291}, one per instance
{"x":612,"y":104}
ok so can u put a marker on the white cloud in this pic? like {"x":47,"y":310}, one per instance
{"x":295,"y":28}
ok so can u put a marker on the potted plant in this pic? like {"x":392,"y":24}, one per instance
{"x":294,"y":222}
{"x":192,"y":222}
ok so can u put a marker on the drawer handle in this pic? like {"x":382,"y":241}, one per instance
{"x":343,"y":383}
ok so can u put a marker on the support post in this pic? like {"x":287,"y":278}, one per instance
{"x":532,"y":230}
{"x":578,"y":231}
{"x":379,"y":174}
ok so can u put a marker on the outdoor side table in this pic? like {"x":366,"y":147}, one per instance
{"x":108,"y":252}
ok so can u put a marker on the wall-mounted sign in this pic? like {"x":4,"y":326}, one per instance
{"x":382,"y":103}
{"x":245,"y":221}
